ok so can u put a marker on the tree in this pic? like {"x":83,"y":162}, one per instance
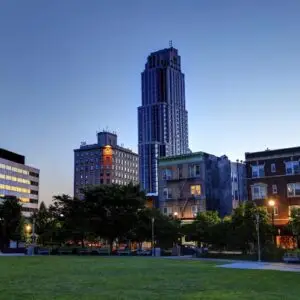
{"x":294,"y":224}
{"x":70,"y":219}
{"x":113,"y":210}
{"x":244,"y":234}
{"x":10,"y":221}
{"x":201,"y":230}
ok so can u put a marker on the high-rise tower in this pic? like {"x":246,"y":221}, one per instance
{"x":162,"y":117}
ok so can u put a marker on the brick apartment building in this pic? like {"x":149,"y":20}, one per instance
{"x":275,"y":174}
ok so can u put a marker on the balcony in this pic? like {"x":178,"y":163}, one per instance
{"x":173,"y":178}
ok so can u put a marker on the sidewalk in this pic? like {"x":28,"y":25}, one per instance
{"x":246,"y":265}
{"x":262,"y":266}
{"x":12,"y":254}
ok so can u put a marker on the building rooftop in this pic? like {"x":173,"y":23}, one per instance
{"x":97,"y":146}
{"x":268,"y":152}
{"x":12,"y":156}
{"x":184,"y":156}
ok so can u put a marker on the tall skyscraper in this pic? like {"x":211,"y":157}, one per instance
{"x":162,"y":117}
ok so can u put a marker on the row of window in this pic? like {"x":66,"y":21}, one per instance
{"x":29,"y":209}
{"x":14,"y":188}
{"x":117,"y":153}
{"x":13,"y":178}
{"x":14,"y":169}
{"x":194,"y":171}
{"x":27,"y":200}
{"x":107,"y":159}
{"x":260,"y":190}
{"x":291,"y":168}
{"x":195,"y":190}
{"x":96,"y":167}
{"x":169,"y":210}
{"x":120,"y":175}
{"x":17,"y":189}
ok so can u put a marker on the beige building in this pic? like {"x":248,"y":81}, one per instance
{"x":104,"y":163}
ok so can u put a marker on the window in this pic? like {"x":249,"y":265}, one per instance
{"x":236,"y":196}
{"x":195,"y":190}
{"x":293,"y":189}
{"x":273,"y":168}
{"x":35,"y":201}
{"x":180,"y":172}
{"x":258,"y":171}
{"x":167,"y":174}
{"x":34,"y":192}
{"x":33,"y":174}
{"x":194,"y":209}
{"x":108,"y":181}
{"x":259,"y":191}
{"x":194,"y":171}
{"x":274,"y":189}
{"x":167,"y":193}
{"x":167,"y":210}
{"x":292,"y":167}
{"x":275,"y":210}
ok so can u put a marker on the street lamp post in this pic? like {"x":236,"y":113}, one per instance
{"x":258,"y":237}
{"x":272,"y":204}
{"x":33,"y":234}
{"x":152,"y":229}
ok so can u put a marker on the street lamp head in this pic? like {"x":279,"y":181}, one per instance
{"x":28,"y":227}
{"x":175,"y":213}
{"x":271,"y":203}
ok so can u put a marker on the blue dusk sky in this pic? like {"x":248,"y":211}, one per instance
{"x":69,"y":68}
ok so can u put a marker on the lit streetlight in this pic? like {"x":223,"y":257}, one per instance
{"x":175,"y":214}
{"x":28,"y":228}
{"x":271,"y":203}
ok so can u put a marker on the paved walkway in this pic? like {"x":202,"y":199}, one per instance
{"x":12,"y":254}
{"x":262,"y":266}
{"x":247,"y":265}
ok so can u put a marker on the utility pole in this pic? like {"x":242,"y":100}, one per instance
{"x":258,"y":237}
{"x":33,"y":235}
{"x":152,"y":221}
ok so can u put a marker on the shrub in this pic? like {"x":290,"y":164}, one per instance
{"x":272,"y":253}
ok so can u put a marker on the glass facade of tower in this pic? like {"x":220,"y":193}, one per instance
{"x":162,"y":117}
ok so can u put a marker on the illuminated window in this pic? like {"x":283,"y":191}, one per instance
{"x":24,"y":200}
{"x":195,"y":190}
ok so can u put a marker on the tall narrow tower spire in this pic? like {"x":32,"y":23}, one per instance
{"x":170,"y":44}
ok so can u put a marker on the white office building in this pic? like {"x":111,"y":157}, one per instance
{"x":19,"y":180}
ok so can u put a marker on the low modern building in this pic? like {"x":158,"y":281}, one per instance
{"x":104,"y":163}
{"x":19,"y":180}
{"x":193,"y":183}
{"x":275,"y":175}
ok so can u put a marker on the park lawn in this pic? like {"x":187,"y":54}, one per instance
{"x":89,"y":278}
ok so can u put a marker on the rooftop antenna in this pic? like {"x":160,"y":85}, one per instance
{"x":170,"y":44}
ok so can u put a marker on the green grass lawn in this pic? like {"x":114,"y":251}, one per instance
{"x":88,"y":278}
